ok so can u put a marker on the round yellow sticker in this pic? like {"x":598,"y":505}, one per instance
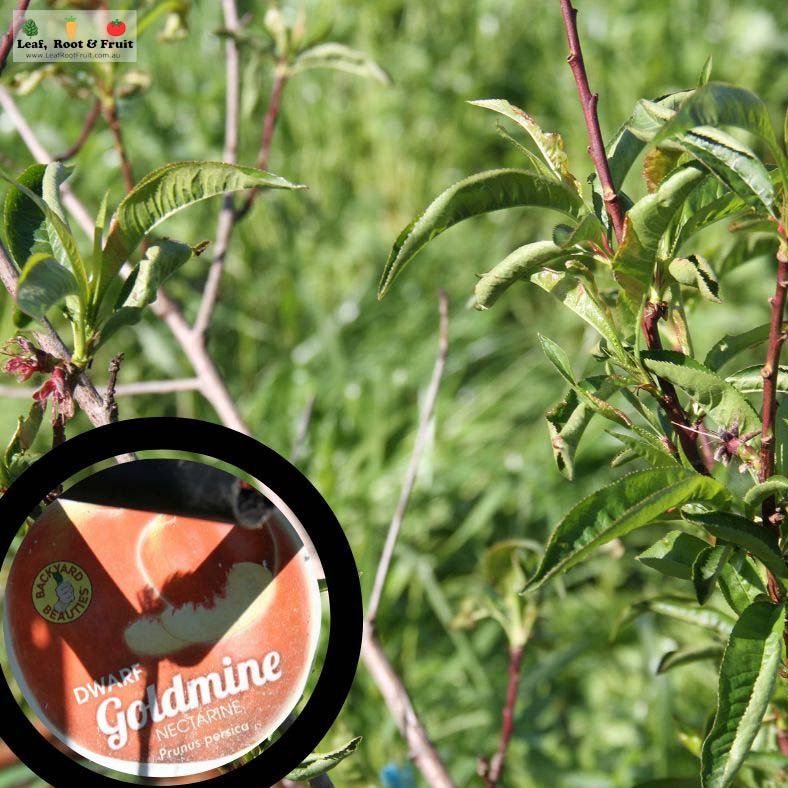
{"x":62,"y":592}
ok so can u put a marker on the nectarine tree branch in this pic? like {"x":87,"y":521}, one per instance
{"x":110,"y":110}
{"x":588,"y":102}
{"x":269,"y":126}
{"x":121,"y":390}
{"x":85,"y":393}
{"x":90,"y":123}
{"x":9,"y":36}
{"x":422,"y":750}
{"x":415,"y":460}
{"x":227,"y":215}
{"x":212,"y":384}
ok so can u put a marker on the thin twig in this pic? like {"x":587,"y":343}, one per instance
{"x":415,"y":459}
{"x":121,"y":390}
{"x":269,"y":126}
{"x":8,"y":38}
{"x":110,"y":403}
{"x":111,"y":116}
{"x":90,"y":122}
{"x":493,"y":772}
{"x":224,"y":229}
{"x":421,"y":749}
{"x":588,"y":102}
{"x":771,"y":519}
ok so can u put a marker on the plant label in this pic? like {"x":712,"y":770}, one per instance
{"x":157,"y":644}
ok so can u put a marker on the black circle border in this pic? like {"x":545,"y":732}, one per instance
{"x":168,"y":433}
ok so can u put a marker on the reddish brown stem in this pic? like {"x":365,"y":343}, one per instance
{"x":494,"y":773}
{"x":782,"y":741}
{"x":90,"y":122}
{"x":111,"y":116}
{"x":269,"y":126}
{"x":653,"y":312}
{"x":770,"y":371}
{"x":670,"y":399}
{"x":8,"y":38}
{"x":588,"y":101}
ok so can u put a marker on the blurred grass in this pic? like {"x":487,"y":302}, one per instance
{"x":298,"y":317}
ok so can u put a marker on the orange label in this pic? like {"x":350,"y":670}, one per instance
{"x":156,"y":644}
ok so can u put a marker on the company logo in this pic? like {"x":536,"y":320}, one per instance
{"x":62,"y":592}
{"x":54,"y":36}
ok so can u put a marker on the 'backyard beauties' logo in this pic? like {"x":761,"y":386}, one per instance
{"x":61,"y":592}
{"x":47,"y":36}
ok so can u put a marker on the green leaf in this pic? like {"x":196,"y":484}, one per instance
{"x":738,"y":530}
{"x":587,"y":229}
{"x":646,"y":223}
{"x":629,"y":503}
{"x":167,"y":190}
{"x":747,"y":677}
{"x":566,"y":423}
{"x":746,"y":248}
{"x":719,"y":104}
{"x":23,"y":222}
{"x":339,"y":58}
{"x":731,"y":345}
{"x":159,"y":263}
{"x":550,"y":144}
{"x":520,"y":264}
{"x":98,"y":233}
{"x":681,"y":609}
{"x":26,"y":430}
{"x":484,"y":192}
{"x":695,"y":271}
{"x":740,"y":582}
{"x":654,"y":451}
{"x":657,"y":165}
{"x":686,"y":656}
{"x":705,"y":73}
{"x":580,"y":295}
{"x":725,"y":404}
{"x":774,"y":485}
{"x":711,"y":202}
{"x":538,"y":166}
{"x":674,"y":554}
{"x":750,"y":380}
{"x":503,"y":565}
{"x":320,"y":763}
{"x":556,"y":355}
{"x":62,"y":243}
{"x":733,"y":163}
{"x":42,"y":284}
{"x":585,"y":391}
{"x":638,"y":130}
{"x":707,"y":568}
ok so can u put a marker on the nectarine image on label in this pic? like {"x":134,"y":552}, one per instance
{"x":158,"y":644}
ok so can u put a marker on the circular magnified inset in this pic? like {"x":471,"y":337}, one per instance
{"x":162,"y":617}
